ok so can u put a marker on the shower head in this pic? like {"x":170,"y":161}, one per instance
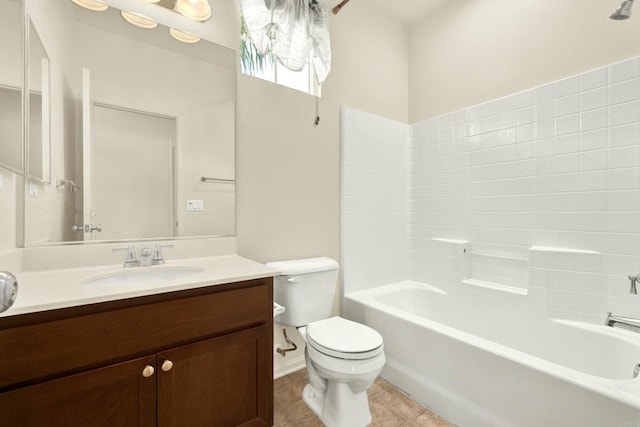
{"x":623,"y":11}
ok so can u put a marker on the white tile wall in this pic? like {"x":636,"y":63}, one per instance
{"x":557,"y":166}
{"x":375,"y":202}
{"x":554,"y":166}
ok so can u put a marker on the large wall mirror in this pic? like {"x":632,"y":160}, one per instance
{"x":142,"y":132}
{"x":11,"y":20}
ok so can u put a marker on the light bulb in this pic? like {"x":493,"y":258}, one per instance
{"x":183,"y":36}
{"x":198,"y":10}
{"x":139,"y":20}
{"x":95,"y":5}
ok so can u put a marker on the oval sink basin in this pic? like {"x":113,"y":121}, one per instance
{"x":144,"y":275}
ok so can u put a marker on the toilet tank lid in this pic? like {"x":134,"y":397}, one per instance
{"x":303,"y":266}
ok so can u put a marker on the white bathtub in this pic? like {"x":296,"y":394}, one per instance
{"x":504,"y":366}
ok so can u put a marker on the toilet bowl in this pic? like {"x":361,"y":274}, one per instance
{"x":343,"y":357}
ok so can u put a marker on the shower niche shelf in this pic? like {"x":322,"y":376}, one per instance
{"x":502,"y":273}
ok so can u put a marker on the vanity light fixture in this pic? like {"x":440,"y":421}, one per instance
{"x":198,"y":10}
{"x":95,"y":5}
{"x":183,"y":36}
{"x":139,"y":20}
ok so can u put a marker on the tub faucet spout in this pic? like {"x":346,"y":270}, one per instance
{"x":624,"y":322}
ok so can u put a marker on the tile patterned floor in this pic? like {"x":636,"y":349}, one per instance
{"x":389,"y":406}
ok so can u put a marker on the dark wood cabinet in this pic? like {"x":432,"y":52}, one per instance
{"x":190,"y":358}
{"x":117,"y":395}
{"x":215,"y":382}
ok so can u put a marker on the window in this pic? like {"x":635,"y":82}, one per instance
{"x":266,"y":67}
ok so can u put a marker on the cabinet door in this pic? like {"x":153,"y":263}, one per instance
{"x":224,"y":381}
{"x":117,"y":395}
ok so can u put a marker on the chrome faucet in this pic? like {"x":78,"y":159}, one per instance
{"x":145,"y":257}
{"x":624,"y":322}
{"x":131,"y":260}
{"x":157,"y":254}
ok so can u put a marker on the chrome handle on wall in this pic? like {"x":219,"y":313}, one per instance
{"x":207,"y":179}
{"x":76,"y":228}
{"x":90,"y":228}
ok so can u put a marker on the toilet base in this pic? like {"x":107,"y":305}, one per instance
{"x":339,"y":406}
{"x":313,"y":399}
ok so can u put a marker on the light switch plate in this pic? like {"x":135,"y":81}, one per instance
{"x":33,"y":189}
{"x":195,"y":205}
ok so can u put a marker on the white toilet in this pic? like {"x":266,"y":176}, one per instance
{"x":343,"y":357}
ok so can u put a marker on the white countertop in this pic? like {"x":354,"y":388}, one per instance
{"x":54,"y":289}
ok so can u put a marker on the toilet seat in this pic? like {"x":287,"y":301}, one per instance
{"x":344,"y":339}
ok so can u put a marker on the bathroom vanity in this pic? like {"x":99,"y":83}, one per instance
{"x":196,"y":356}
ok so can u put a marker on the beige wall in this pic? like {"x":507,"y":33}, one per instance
{"x":470,"y":51}
{"x":289,"y":170}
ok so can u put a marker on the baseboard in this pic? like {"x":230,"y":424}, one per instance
{"x":287,"y":365}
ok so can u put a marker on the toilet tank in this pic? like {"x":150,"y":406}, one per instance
{"x":305,"y":287}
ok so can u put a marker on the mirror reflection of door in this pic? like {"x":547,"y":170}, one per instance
{"x":132,"y":169}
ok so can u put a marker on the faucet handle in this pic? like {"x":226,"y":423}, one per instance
{"x":131,"y":255}
{"x":634,"y":280}
{"x":157,"y":254}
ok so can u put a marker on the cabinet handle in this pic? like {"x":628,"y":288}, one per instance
{"x":148,"y":371}
{"x":167,"y":365}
